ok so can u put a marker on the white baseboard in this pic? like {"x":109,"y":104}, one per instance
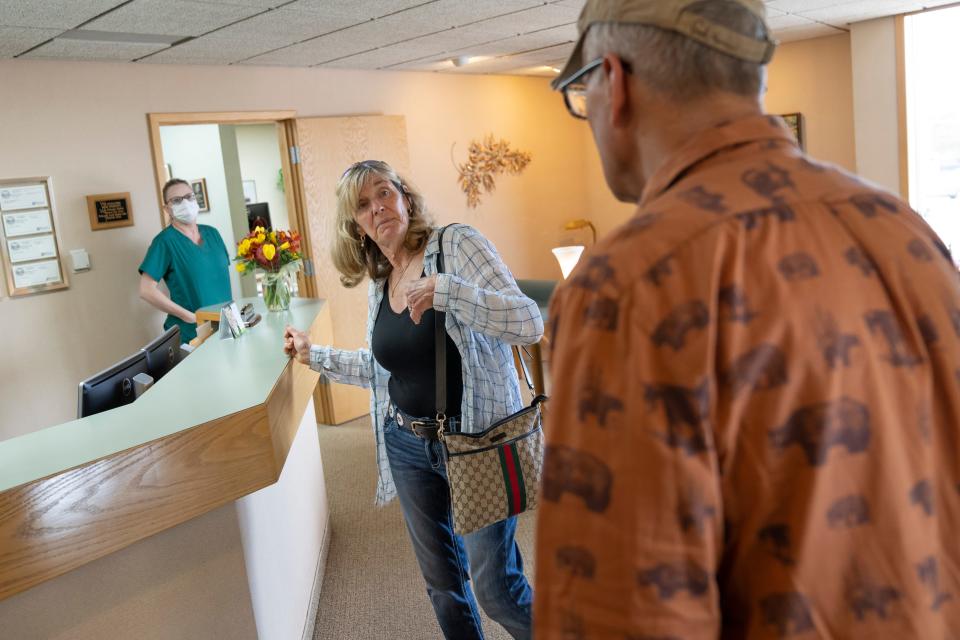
{"x":311,"y":622}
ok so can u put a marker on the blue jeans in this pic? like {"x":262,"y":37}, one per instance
{"x":420,"y":475}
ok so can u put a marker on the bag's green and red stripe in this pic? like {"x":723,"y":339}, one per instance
{"x":513,"y":479}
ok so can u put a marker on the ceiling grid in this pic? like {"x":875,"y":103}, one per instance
{"x":525,"y":37}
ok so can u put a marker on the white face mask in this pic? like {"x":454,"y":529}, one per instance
{"x":186,"y":212}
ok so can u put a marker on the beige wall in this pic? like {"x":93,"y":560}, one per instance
{"x":815,"y":78}
{"x":85,"y":125}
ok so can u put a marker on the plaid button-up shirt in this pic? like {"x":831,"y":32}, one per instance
{"x":486,"y":313}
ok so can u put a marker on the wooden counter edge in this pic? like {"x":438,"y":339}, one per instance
{"x":55,"y":524}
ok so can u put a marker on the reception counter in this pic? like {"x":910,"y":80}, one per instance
{"x":197,"y":511}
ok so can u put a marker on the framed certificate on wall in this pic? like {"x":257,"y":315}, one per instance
{"x":28,"y":237}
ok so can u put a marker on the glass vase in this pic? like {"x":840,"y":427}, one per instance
{"x":276,"y":291}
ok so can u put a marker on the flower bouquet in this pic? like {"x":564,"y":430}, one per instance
{"x":277,"y":255}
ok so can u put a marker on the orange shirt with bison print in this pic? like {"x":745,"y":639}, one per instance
{"x":755,"y":421}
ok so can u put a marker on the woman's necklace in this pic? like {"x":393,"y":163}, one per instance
{"x":394,"y":290}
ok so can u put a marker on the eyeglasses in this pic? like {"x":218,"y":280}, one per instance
{"x":190,"y":197}
{"x":574,"y":88}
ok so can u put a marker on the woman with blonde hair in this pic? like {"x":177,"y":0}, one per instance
{"x":383,"y":233}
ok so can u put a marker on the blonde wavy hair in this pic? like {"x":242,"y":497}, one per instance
{"x":355,"y":260}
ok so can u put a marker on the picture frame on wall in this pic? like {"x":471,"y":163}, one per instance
{"x":110,"y":210}
{"x":795,"y":122}
{"x":199,"y":187}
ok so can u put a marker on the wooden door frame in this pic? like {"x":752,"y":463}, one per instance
{"x":284,"y":119}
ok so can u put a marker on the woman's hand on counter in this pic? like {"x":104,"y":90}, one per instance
{"x":296,"y":344}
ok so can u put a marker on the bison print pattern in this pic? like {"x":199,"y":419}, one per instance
{"x":670,"y":579}
{"x":734,"y":306}
{"x":919,"y":250}
{"x":577,"y":561}
{"x":864,"y":597}
{"x":567,"y":470}
{"x":798,"y":266}
{"x":686,"y":411}
{"x":928,"y":571}
{"x":872,"y":204}
{"x":704,"y":199}
{"x":834,"y":345}
{"x":884,"y":324}
{"x":788,"y":613}
{"x":602,"y":314}
{"x":594,"y":402}
{"x":639,"y":224}
{"x":848,"y":512}
{"x":693,"y":514}
{"x":819,"y":427}
{"x":660,"y":270}
{"x":921,"y":495}
{"x":763,"y":367}
{"x":672,"y":331}
{"x":857,"y":258}
{"x":775,"y":540}
{"x":596,"y":273}
{"x":751,"y":219}
{"x":928,"y":330}
{"x":769,"y":181}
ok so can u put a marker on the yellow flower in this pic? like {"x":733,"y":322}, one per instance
{"x":269,"y":251}
{"x":244,"y":247}
{"x":285,"y":246}
{"x":241,"y":267}
{"x":261,"y":237}
{"x":273,"y":237}
{"x":258,"y":230}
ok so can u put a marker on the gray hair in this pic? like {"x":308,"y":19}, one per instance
{"x":677,"y":66}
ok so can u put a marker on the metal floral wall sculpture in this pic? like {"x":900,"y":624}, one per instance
{"x":484,"y":161}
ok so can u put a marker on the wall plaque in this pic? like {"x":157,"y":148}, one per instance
{"x":110,"y":210}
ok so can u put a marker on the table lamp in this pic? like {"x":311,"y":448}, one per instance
{"x":569,"y":255}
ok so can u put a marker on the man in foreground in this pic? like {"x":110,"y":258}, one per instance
{"x":755,"y":423}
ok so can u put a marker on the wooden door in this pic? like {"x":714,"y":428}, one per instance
{"x":324,"y":148}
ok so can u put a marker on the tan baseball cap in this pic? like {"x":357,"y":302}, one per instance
{"x":672,"y":15}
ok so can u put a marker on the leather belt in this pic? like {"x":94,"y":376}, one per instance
{"x":426,"y":428}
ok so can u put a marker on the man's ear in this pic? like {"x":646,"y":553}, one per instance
{"x":618,"y":86}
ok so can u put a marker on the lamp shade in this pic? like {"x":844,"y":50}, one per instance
{"x":567,"y":257}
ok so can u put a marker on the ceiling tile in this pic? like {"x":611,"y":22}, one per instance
{"x":52,"y":14}
{"x":805,"y":33}
{"x":285,"y":26}
{"x":90,"y":50}
{"x":359,"y":10}
{"x":799,"y":6}
{"x":171,"y":17}
{"x":787,"y":21}
{"x":14,"y":40}
{"x":257,"y":4}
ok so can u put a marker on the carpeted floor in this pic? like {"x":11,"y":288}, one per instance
{"x":372,"y":588}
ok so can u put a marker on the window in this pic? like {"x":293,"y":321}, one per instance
{"x":931,"y":48}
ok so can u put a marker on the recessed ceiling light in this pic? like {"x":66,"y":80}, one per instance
{"x":460,"y":61}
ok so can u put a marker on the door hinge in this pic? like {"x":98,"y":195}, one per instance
{"x":308,"y":267}
{"x":294,"y":155}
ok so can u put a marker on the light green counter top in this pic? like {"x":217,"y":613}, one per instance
{"x":220,"y":378}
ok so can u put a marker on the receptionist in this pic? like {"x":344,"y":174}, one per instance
{"x":191,"y":258}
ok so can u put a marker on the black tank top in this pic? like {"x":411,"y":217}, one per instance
{"x":408,"y":352}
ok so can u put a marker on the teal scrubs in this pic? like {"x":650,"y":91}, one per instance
{"x":197,"y":276}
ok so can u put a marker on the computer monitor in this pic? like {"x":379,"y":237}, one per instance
{"x":163,"y":353}
{"x":111,"y":388}
{"x":258,"y":215}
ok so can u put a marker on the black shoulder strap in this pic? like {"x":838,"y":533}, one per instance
{"x":440,"y":337}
